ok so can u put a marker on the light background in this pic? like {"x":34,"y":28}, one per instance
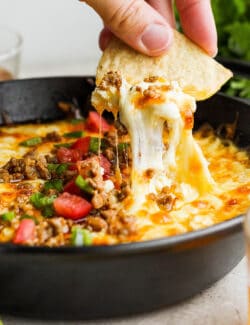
{"x":56,"y":33}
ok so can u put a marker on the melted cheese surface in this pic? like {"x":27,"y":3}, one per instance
{"x":172,"y":157}
{"x":229,"y":168}
{"x":208,"y":180}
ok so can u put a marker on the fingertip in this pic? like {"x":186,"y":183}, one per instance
{"x":213,"y":52}
{"x":198,"y":24}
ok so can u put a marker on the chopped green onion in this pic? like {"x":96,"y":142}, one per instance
{"x":8,"y":216}
{"x":48,"y":211}
{"x":39,"y":200}
{"x":76,"y":121}
{"x":44,"y":203}
{"x":62,"y":169}
{"x":75,"y":134}
{"x":35,"y":199}
{"x":104,"y":144}
{"x":87,"y":237}
{"x":27,"y":216}
{"x":94,"y":145}
{"x":59,"y":169}
{"x":54,"y":184}
{"x":84,"y":185}
{"x":47,"y":200}
{"x":80,"y":237}
{"x":63,"y":145}
{"x":123,"y":146}
{"x":52,"y":167}
{"x":31,"y":142}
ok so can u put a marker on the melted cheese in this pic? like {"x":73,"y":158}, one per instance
{"x":229,"y":167}
{"x":180,"y":162}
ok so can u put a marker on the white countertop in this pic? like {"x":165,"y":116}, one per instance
{"x":225,"y":303}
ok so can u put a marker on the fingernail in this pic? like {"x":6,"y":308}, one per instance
{"x":214,"y":52}
{"x":156,"y":38}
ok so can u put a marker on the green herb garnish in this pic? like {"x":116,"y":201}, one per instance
{"x":59,"y":169}
{"x":31,"y":142}
{"x":123,"y":146}
{"x":48,"y":211}
{"x":84,"y":185}
{"x":63,"y":145}
{"x":80,"y":237}
{"x":39,"y":200}
{"x":238,"y":87}
{"x":54,"y":184}
{"x":75,"y":134}
{"x":35,"y":200}
{"x":52,"y":167}
{"x":94,"y":144}
{"x":8,"y":216}
{"x":62,"y":169}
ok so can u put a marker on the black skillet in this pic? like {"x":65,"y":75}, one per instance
{"x":94,"y":282}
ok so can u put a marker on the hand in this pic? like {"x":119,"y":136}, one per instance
{"x":147,"y":25}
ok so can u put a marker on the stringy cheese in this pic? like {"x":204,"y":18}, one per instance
{"x":146,"y":110}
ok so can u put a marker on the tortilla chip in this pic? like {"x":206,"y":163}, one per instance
{"x":196,"y":72}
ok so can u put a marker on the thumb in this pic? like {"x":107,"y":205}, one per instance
{"x":136,"y":23}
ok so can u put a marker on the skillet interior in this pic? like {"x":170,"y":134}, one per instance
{"x":170,"y":263}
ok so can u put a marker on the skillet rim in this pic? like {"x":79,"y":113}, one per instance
{"x":214,"y":232}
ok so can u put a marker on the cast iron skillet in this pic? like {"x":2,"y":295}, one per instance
{"x":94,"y":282}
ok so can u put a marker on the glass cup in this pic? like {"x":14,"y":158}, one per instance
{"x":10,"y":53}
{"x":247,"y":239}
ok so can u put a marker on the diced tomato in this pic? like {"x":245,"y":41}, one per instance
{"x":25,"y":231}
{"x":71,"y":206}
{"x":72,"y":188}
{"x":82,"y":145}
{"x":95,"y":121}
{"x":106,"y":165}
{"x":72,"y":167}
{"x":65,"y":155}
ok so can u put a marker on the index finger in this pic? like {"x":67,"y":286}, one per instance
{"x":198,"y":23}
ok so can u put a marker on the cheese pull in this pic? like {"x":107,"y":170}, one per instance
{"x":159,"y":118}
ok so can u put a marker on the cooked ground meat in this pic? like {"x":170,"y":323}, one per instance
{"x":111,"y":138}
{"x":4,"y":176}
{"x":111,"y":79}
{"x":121,"y":129}
{"x":90,"y":170}
{"x":51,"y":232}
{"x":109,"y":189}
{"x":98,"y":200}
{"x":110,"y":153}
{"x":52,"y":137}
{"x":24,"y":188}
{"x":164,"y":199}
{"x":25,"y":168}
{"x":120,"y":224}
{"x":51,"y":159}
{"x":152,"y":92}
{"x":96,"y":224}
{"x":41,"y":166}
{"x":124,"y":191}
